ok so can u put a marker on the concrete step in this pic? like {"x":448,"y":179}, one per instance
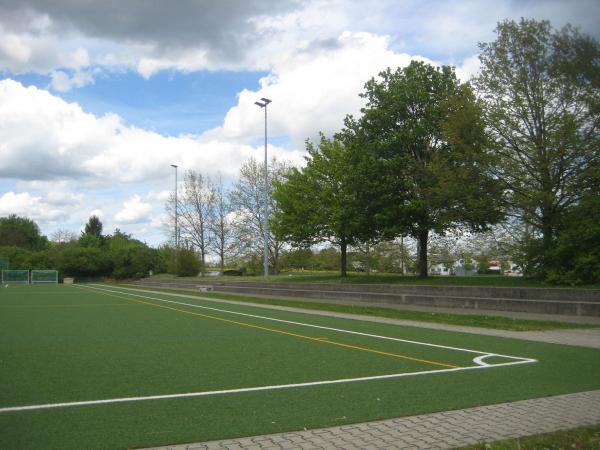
{"x":577,"y":308}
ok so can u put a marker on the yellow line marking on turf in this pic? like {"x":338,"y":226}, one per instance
{"x":287,"y":333}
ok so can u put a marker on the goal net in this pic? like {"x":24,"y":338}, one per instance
{"x":15,"y":276}
{"x":44,"y":276}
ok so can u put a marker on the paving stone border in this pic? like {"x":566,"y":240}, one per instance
{"x":443,"y":430}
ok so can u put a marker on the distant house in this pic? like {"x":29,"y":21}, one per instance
{"x":439,"y":269}
{"x":495,"y":266}
{"x":459,"y":268}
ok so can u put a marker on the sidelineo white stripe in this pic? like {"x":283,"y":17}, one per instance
{"x":242,"y":390}
{"x":122,"y":290}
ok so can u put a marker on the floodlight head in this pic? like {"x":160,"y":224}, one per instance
{"x":264,"y":103}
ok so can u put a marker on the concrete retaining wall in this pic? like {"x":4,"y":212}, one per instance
{"x":576,"y":302}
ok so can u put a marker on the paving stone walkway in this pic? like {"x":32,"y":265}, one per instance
{"x":443,"y":430}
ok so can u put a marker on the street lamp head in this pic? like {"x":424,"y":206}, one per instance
{"x":173,"y":165}
{"x":264,"y":103}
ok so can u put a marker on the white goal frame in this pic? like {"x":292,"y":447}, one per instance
{"x":6,"y":278}
{"x":54,"y":278}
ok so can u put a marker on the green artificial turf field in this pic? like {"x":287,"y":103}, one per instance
{"x":106,"y":367}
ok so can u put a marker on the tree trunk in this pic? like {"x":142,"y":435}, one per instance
{"x":276,"y":260}
{"x":202,"y":262}
{"x":402,"y":255}
{"x":547,"y":238}
{"x":344,"y":258}
{"x":222,"y":258}
{"x":547,"y":231}
{"x":423,"y":241}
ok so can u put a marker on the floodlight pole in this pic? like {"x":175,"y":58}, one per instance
{"x":263,"y":104}
{"x":176,"y":208}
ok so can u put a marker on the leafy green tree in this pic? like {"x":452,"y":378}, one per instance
{"x":187,"y":263}
{"x":21,"y":232}
{"x":93,"y":226}
{"x":92,"y":236}
{"x":299,"y":258}
{"x":84,"y":262}
{"x":19,"y":257}
{"x":90,"y":241}
{"x":575,"y":259}
{"x":317,"y":203}
{"x":540,"y":89}
{"x":421,"y":148}
{"x":130,"y":258}
{"x":393,"y":257}
{"x":328,"y":259}
{"x":483,"y":264}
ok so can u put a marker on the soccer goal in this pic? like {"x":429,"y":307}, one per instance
{"x":44,"y":276}
{"x":15,"y":276}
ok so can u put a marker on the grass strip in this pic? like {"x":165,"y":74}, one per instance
{"x":482,"y":321}
{"x":578,"y":438}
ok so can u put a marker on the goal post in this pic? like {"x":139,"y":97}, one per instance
{"x":44,"y":276}
{"x":15,"y":276}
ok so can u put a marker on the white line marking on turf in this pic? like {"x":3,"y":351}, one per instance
{"x":480,"y":360}
{"x":122,"y":290}
{"x":242,"y":390}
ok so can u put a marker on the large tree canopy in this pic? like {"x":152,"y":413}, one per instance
{"x":421,"y":148}
{"x":21,"y":232}
{"x":540,"y":88}
{"x":318,"y":203}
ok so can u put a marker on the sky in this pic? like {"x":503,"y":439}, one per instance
{"x":99,"y":98}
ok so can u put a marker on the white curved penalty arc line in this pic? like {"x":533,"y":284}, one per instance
{"x":121,"y":290}
{"x":479,"y":360}
{"x":12,"y":409}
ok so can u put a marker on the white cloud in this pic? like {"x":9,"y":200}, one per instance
{"x":96,"y":212}
{"x":134,"y":211}
{"x":160,"y":196}
{"x":42,"y":137}
{"x":313,"y":90}
{"x":14,"y":49}
{"x":35,"y":207}
{"x":469,"y":68}
{"x":61,"y":81}
{"x":45,"y":37}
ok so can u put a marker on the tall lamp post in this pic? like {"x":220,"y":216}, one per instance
{"x":263,"y":104}
{"x":176,"y":208}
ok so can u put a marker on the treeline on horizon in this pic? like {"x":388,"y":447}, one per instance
{"x":93,"y":255}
